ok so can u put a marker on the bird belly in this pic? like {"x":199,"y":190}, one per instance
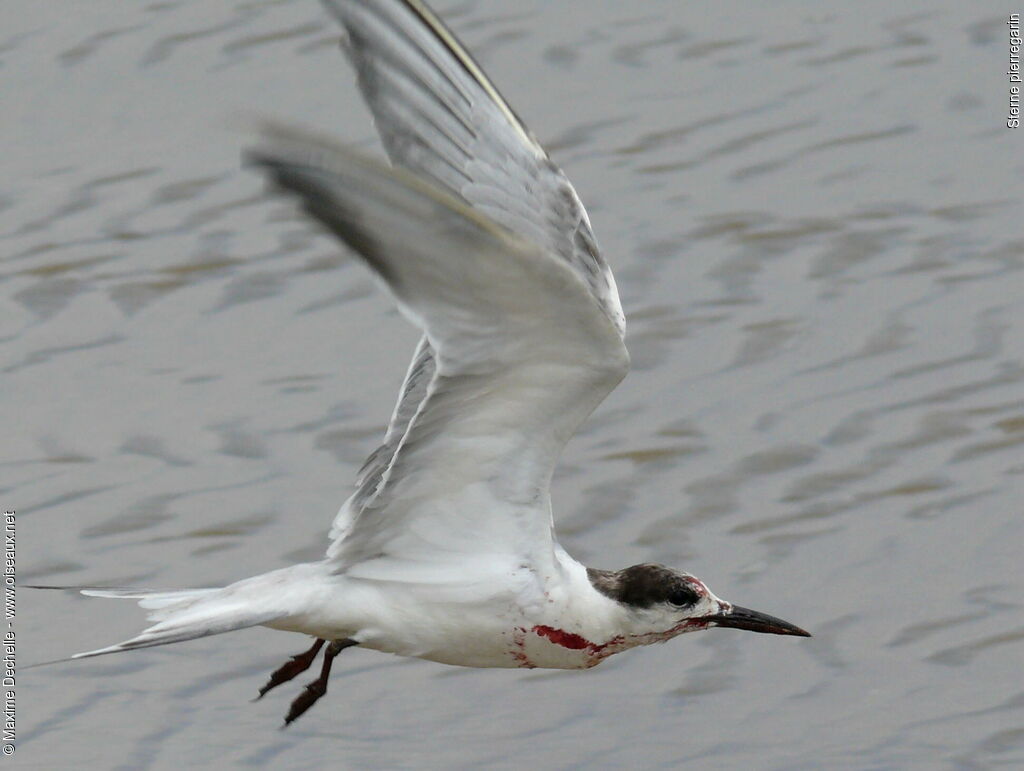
{"x":521,"y":647}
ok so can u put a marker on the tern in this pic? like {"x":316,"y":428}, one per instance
{"x":446,"y":550}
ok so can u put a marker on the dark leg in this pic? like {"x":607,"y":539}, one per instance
{"x":318,"y":687}
{"x":294,"y":666}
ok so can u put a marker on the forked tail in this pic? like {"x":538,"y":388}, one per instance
{"x":182,"y":615}
{"x":192,"y":613}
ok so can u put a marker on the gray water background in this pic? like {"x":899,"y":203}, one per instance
{"x":814,"y":215}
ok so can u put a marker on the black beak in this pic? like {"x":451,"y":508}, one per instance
{"x":752,"y":621}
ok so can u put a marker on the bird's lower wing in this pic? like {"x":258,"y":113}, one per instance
{"x":523,"y":352}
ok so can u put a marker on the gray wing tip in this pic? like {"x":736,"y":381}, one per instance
{"x":294,"y":155}
{"x":280,"y":145}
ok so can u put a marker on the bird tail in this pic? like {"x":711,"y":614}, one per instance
{"x":188,"y":614}
{"x":181,"y":615}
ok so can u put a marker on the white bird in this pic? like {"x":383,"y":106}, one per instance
{"x":446,"y":550}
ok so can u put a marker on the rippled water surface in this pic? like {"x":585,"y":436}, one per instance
{"x":814,"y":214}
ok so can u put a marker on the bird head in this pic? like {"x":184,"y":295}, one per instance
{"x":662,"y":602}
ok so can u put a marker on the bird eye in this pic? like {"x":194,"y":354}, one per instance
{"x":682,"y":596}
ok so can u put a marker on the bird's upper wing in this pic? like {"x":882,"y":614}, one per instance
{"x":522,"y":353}
{"x":440,"y":116}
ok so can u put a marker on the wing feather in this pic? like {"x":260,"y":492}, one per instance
{"x":440,"y":116}
{"x":522,"y":353}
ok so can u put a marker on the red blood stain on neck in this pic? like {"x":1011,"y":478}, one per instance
{"x":593,"y":653}
{"x":566,"y":639}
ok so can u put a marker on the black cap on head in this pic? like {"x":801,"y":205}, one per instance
{"x":642,"y":586}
